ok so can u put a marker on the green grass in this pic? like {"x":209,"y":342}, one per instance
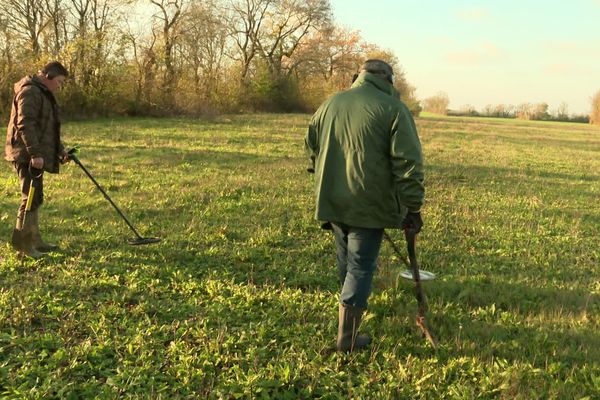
{"x":239,"y":300}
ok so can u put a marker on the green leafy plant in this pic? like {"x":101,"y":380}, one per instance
{"x":239,"y":300}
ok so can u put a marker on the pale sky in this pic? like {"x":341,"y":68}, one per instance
{"x":488,"y":52}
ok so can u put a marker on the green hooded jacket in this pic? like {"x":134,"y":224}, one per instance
{"x":366,"y":156}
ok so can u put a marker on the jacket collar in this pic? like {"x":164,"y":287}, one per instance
{"x":375,"y":80}
{"x":34,"y":80}
{"x":38,"y":82}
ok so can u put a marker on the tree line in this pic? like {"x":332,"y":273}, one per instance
{"x":185,"y":56}
{"x":439,"y":103}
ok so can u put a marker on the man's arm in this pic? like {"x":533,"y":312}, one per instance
{"x":311,"y":145}
{"x":28,"y":111}
{"x":407,"y":162}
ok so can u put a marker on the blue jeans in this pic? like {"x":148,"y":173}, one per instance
{"x":357,"y":251}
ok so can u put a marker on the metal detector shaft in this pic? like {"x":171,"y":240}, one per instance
{"x":74,"y":158}
{"x":412,"y":255}
{"x":411,"y":235}
{"x":396,"y":249}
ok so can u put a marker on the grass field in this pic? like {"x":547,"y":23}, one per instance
{"x":239,"y":300}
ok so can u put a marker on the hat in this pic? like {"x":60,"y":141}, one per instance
{"x":380,"y":67}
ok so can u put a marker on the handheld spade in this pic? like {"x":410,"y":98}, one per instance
{"x":138,"y":240}
{"x":410,"y":236}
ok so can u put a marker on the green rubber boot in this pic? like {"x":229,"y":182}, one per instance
{"x":36,"y":238}
{"x":22,"y":238}
{"x":348,"y":337}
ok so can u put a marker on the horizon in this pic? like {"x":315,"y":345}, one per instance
{"x":478,"y":54}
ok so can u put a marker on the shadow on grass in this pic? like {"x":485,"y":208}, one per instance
{"x":172,"y":157}
{"x":514,"y":322}
{"x":521,"y":299}
{"x":477,"y":176}
{"x":578,"y":144}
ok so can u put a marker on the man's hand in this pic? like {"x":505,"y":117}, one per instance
{"x":64,"y":158}
{"x":37,"y":163}
{"x":413,"y":221}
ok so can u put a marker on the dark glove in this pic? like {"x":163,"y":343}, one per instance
{"x":413,"y":221}
{"x":64,"y":158}
{"x":311,"y":165}
{"x":327,"y":226}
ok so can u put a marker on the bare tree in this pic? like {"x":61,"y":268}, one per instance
{"x":245,"y":20}
{"x":6,"y":63}
{"x":541,"y":111}
{"x":145,"y":60}
{"x":595,"y":112}
{"x":532,"y":111}
{"x":468,"y":109}
{"x":562,"y":112}
{"x":503,"y":111}
{"x":6,"y":44}
{"x":54,"y":10}
{"x":289,"y":23}
{"x":524,"y":111}
{"x":90,"y":30}
{"x":274,"y":29}
{"x":170,"y":14}
{"x":333,"y":53}
{"x":27,"y":18}
{"x":437,"y":104}
{"x":204,"y":39}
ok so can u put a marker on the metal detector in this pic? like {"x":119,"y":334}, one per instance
{"x":417,"y":276}
{"x":138,"y":240}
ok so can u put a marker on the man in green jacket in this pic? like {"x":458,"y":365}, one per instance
{"x":368,"y":164}
{"x":33,"y":146}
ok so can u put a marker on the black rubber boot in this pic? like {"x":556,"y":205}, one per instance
{"x":17,"y":239}
{"x":348,"y":337}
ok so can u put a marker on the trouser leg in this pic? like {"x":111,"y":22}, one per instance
{"x":25,"y":181}
{"x":341,"y":245}
{"x":23,"y":233}
{"x":362,"y":251}
{"x":357,"y":250}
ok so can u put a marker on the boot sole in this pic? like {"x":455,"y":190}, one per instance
{"x":47,"y":249}
{"x":33,"y":257}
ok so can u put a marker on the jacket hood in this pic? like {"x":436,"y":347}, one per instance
{"x":29,"y":80}
{"x":377,"y":81}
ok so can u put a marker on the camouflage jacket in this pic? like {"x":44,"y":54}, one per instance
{"x":34,"y":125}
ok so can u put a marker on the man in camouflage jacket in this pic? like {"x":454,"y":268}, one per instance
{"x":33,"y":146}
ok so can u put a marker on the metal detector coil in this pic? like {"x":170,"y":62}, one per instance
{"x":423,"y":275}
{"x":142,"y":240}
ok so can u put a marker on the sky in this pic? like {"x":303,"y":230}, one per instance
{"x":488,"y":52}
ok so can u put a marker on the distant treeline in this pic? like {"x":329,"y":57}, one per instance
{"x":525,"y":111}
{"x":540,"y":111}
{"x":185,"y":56}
